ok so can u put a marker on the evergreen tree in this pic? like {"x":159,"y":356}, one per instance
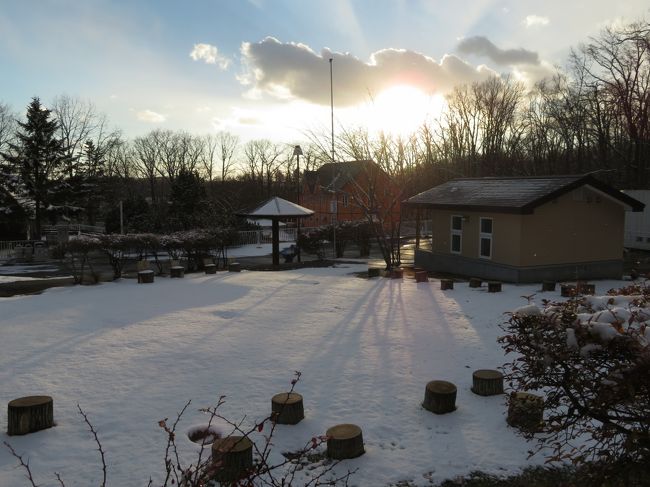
{"x":188,"y":201}
{"x":38,"y":159}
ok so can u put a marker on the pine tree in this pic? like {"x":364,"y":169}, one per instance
{"x":38,"y":159}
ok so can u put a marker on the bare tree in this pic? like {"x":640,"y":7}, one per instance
{"x":147,"y":152}
{"x":79,"y":121}
{"x":8,"y":126}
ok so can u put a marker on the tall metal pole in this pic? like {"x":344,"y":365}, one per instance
{"x":336,"y":205}
{"x":297,"y":150}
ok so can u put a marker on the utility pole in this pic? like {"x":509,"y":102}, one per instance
{"x":336,"y":206}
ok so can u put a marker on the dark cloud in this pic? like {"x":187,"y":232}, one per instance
{"x":296,"y":71}
{"x":482,"y":46}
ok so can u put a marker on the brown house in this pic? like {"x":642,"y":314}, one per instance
{"x":338,"y":190}
{"x":525,"y":229}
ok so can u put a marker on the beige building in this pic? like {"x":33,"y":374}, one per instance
{"x":525,"y":229}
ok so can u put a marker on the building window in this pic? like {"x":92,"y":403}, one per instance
{"x":456,"y":234}
{"x":345,"y":200}
{"x":485,"y":238}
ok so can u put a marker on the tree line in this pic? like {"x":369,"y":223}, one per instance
{"x":591,"y":116}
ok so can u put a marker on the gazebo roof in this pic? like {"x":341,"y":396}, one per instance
{"x":279,"y":208}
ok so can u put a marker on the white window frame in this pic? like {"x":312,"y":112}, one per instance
{"x":455,"y":232}
{"x":482,"y":235}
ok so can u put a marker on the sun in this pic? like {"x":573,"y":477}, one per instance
{"x":402,"y":109}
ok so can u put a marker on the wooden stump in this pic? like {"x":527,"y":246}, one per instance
{"x":232,"y":456}
{"x":29,"y":414}
{"x":145,"y":277}
{"x":446,"y":284}
{"x":568,"y":290}
{"x":287,"y":408}
{"x":397,"y":273}
{"x":548,"y":286}
{"x":494,"y":287}
{"x":234,"y":267}
{"x":210,"y":268}
{"x":176,"y":271}
{"x":421,"y":276}
{"x":374,"y":271}
{"x":487,"y":382}
{"x":586,"y":288}
{"x":525,"y":411}
{"x":344,"y":441}
{"x":475,"y":282}
{"x":440,"y":397}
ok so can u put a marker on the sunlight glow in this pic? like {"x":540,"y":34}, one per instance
{"x":401,"y":110}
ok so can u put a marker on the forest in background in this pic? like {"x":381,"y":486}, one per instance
{"x":65,"y":162}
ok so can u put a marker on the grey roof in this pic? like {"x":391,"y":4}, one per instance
{"x":337,"y":174}
{"x":510,"y":195}
{"x":277,"y":207}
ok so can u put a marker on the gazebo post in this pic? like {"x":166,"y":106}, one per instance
{"x":417,"y":227}
{"x":276,"y":240}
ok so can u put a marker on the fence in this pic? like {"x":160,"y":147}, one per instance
{"x":22,"y":249}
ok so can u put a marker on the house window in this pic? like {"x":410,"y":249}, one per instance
{"x":485,"y":238}
{"x":456,"y":234}
{"x":345,"y":200}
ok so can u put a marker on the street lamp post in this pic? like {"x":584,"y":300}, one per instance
{"x":297,"y":151}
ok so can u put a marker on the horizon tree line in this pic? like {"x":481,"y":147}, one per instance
{"x":594,"y":116}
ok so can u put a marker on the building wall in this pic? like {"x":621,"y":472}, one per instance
{"x":506,"y":235}
{"x":581,"y":226}
{"x":347,"y":210}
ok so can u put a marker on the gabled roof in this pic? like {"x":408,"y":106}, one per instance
{"x":511,"y":195}
{"x":277,"y":207}
{"x":335,"y":175}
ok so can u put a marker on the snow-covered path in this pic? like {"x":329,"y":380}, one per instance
{"x":133,"y":354}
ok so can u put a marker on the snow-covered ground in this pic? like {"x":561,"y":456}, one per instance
{"x":133,"y":354}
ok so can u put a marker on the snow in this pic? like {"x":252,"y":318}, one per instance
{"x":132,"y":355}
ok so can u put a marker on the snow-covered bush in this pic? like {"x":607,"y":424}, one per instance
{"x":590,"y":357}
{"x":76,"y":252}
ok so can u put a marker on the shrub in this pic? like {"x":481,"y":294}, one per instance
{"x":590,"y":356}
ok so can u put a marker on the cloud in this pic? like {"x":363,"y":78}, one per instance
{"x":295,"y":71}
{"x":482,"y":46}
{"x":536,"y":20}
{"x":210,"y":55}
{"x":150,"y":116}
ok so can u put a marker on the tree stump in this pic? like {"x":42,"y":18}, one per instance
{"x":494,"y":287}
{"x":29,"y":414}
{"x":421,"y":276}
{"x":446,"y":284}
{"x":525,"y":411}
{"x":440,"y":397}
{"x":475,"y":282}
{"x":397,"y":273}
{"x":287,"y":408}
{"x":568,"y":290}
{"x":210,"y":268}
{"x":145,"y":277}
{"x":374,"y":271}
{"x":176,"y":271}
{"x":344,"y":441}
{"x":586,"y":288}
{"x":548,"y":286}
{"x":234,"y":267}
{"x":232,"y":456}
{"x":487,"y":382}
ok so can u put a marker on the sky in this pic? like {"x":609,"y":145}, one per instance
{"x":261,"y":69}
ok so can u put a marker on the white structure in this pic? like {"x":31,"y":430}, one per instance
{"x":637,"y":225}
